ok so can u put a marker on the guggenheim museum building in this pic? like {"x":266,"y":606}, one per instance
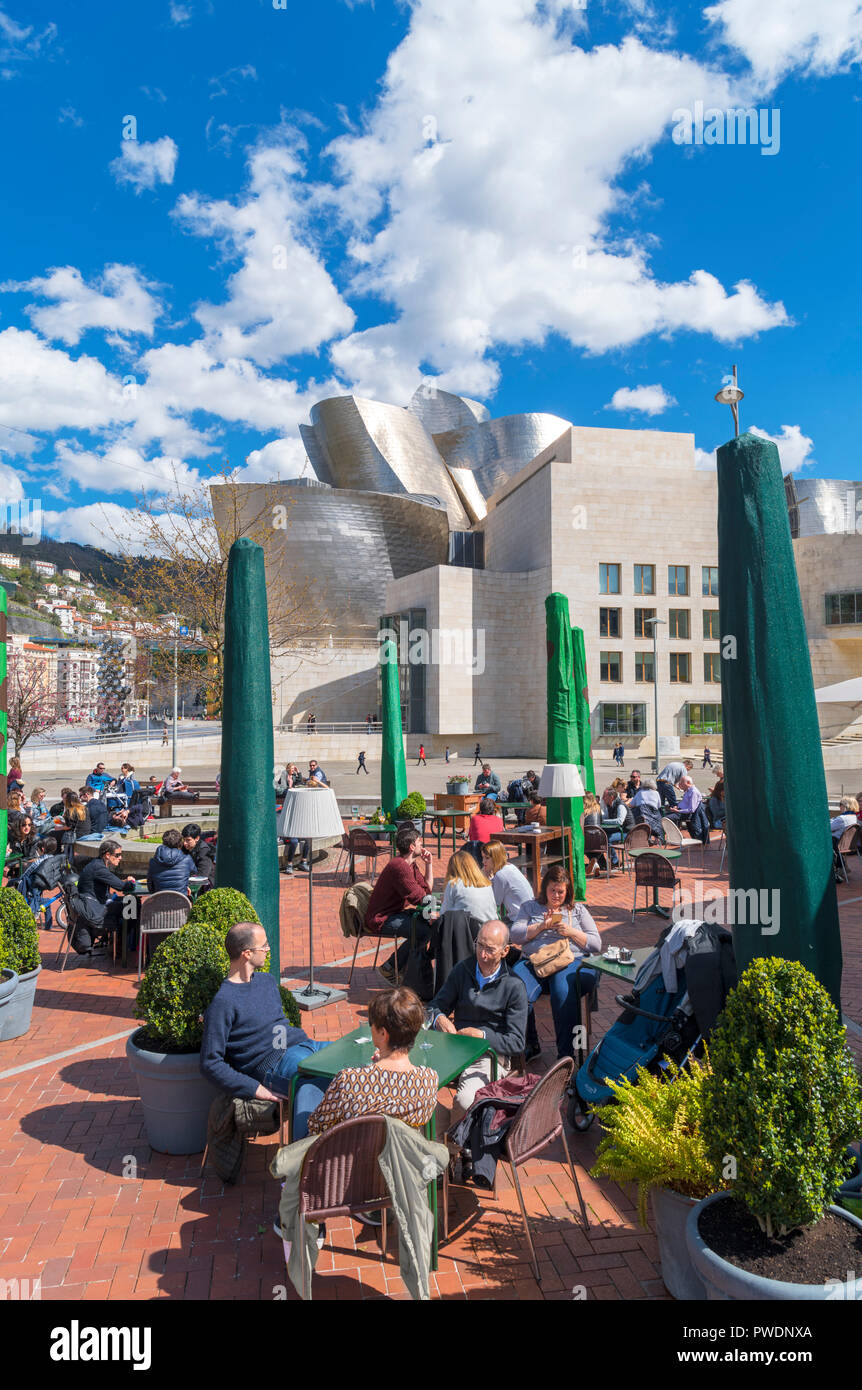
{"x":447,"y":529}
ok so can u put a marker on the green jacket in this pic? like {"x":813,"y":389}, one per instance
{"x":408,"y":1162}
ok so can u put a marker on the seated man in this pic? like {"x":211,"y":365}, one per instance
{"x":487,"y":1001}
{"x":403,"y":883}
{"x":170,"y":867}
{"x":99,"y":779}
{"x":97,"y":812}
{"x":691,"y":809}
{"x":98,"y":881}
{"x":488,"y":783}
{"x":249,"y":1048}
{"x":175,"y":788}
{"x":316,"y":774}
{"x":199,"y":851}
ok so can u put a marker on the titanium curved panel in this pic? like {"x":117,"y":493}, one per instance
{"x":443,"y":410}
{"x":373,"y":447}
{"x":495,"y":450}
{"x":346,"y":545}
{"x":827,"y":506}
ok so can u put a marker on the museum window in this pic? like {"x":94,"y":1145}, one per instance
{"x":677,"y":580}
{"x":843,"y":608}
{"x":710,"y":625}
{"x":711,"y":668}
{"x":609,"y":579}
{"x":623,"y":719}
{"x":609,"y":622}
{"x":703,"y":719}
{"x":680,"y":668}
{"x":611,"y":666}
{"x":710,"y":581}
{"x":644,"y":667}
{"x":642,"y":617}
{"x":644,"y":579}
{"x":467,"y":549}
{"x":679,"y":624}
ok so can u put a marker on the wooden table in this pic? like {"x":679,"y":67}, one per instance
{"x":449,"y":1054}
{"x":536,"y":839}
{"x":466,"y":804}
{"x":668,"y":854}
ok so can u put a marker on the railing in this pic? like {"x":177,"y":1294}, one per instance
{"x":331,"y":727}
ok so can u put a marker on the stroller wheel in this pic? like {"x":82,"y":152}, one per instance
{"x":577,"y":1117}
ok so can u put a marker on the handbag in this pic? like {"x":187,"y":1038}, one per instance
{"x":557,"y":955}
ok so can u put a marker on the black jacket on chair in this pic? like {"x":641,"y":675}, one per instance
{"x":453,"y":938}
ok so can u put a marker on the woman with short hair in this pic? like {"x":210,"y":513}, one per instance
{"x":552,"y":917}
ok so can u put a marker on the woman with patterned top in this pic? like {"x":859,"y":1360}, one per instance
{"x":390,"y":1084}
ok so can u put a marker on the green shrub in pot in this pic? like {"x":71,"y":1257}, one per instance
{"x":181,"y":981}
{"x":653,"y":1134}
{"x":412,"y":807}
{"x":218,"y":911}
{"x":19,"y":936}
{"x":783,"y":1100}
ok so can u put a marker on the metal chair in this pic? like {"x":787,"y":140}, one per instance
{"x":596,"y":843}
{"x":67,"y":917}
{"x":849,"y":841}
{"x":654,"y":871}
{"x":362,"y":844}
{"x":638,"y":838}
{"x":341,"y":1174}
{"x":536,"y":1125}
{"x":723,"y":843}
{"x":362,"y":932}
{"x":161,"y":914}
{"x":343,"y":853}
{"x":676,"y":840}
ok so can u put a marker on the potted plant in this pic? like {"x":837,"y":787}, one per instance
{"x":8,"y":986}
{"x":412,"y":808}
{"x":653,"y":1137}
{"x":185,"y":973}
{"x":779,"y":1109}
{"x":19,"y":952}
{"x":458,"y":785}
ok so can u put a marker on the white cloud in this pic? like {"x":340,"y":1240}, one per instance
{"x":122,"y":468}
{"x":226,"y":80}
{"x":180,"y":14}
{"x":650,"y":400}
{"x":18,"y":43}
{"x":100,"y":524}
{"x":43,"y":388}
{"x":480,"y":193}
{"x":11,"y":485}
{"x":281,"y":458}
{"x":778,"y":35}
{"x":794,"y":449}
{"x":282,"y":299}
{"x":119,"y":302}
{"x":68,"y":113}
{"x":144,"y":164}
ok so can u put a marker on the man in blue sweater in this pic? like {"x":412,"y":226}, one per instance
{"x":249,"y":1048}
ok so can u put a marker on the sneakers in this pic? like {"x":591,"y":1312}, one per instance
{"x":288,"y":869}
{"x":303,"y":866}
{"x":387,"y":970}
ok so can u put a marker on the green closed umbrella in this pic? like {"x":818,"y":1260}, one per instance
{"x":582,"y":711}
{"x":778,"y":838}
{"x":393,"y":769}
{"x":563,"y":737}
{"x":247,"y":848}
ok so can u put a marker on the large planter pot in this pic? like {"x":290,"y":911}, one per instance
{"x":175,"y":1097}
{"x":8,"y":986}
{"x":724,"y":1282}
{"x":15,"y":1018}
{"x":670,"y":1214}
{"x":458,"y":788}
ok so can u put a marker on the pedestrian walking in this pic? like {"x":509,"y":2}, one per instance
{"x":421,"y":758}
{"x":362,"y":767}
{"x":707,"y":757}
{"x":165,"y":736}
{"x":447,"y":752}
{"x":477,"y":758}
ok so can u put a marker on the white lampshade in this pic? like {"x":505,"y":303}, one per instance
{"x":560,"y":780}
{"x":310,"y":815}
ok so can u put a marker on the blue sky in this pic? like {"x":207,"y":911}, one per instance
{"x":358,"y":197}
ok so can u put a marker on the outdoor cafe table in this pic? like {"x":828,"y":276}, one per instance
{"x":620,"y":970}
{"x":536,"y":839}
{"x":440,"y":817}
{"x":664,"y":854}
{"x":373,"y":831}
{"x":512,"y":806}
{"x":449,"y":1054}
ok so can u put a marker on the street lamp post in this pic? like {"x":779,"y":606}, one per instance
{"x":176,"y":646}
{"x":653,"y":623}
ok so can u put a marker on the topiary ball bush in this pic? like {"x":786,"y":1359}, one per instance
{"x":412,"y":807}
{"x":783,"y":1100}
{"x":218,"y":911}
{"x":19,"y":937}
{"x":184,"y":975}
{"x":290,"y":1006}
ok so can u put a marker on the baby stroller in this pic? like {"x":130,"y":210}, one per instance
{"x":670,"y":1010}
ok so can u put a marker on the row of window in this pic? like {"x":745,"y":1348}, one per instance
{"x":611,"y":667}
{"x":843,"y":608}
{"x":678,"y":623}
{"x":622,"y":720}
{"x":678,"y":579}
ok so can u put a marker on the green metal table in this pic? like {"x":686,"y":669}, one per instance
{"x":513,"y":806}
{"x":439,"y":817}
{"x":620,"y":970}
{"x":449,"y":1054}
{"x":668,"y":854}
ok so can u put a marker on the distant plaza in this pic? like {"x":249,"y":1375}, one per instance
{"x":447,"y":528}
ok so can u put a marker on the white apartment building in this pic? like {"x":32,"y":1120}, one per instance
{"x":77,"y":681}
{"x":52,"y":589}
{"x":72,"y":574}
{"x":10,"y":562}
{"x":43,"y":568}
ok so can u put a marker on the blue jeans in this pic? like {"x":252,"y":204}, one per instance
{"x":308,"y":1093}
{"x":565,"y":989}
{"x":615,"y":838}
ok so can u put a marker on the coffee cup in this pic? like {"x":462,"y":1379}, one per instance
{"x":613,"y":953}
{"x":625,"y":954}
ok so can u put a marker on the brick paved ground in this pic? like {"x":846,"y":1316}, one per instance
{"x":73,"y":1211}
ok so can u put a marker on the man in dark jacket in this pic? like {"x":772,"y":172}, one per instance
{"x":487,"y":1001}
{"x":97,"y":812}
{"x":97,"y":880}
{"x":199,"y":851}
{"x":170,"y":867}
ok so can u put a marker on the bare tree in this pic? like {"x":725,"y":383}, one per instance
{"x":175,"y":557}
{"x":33,"y":705}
